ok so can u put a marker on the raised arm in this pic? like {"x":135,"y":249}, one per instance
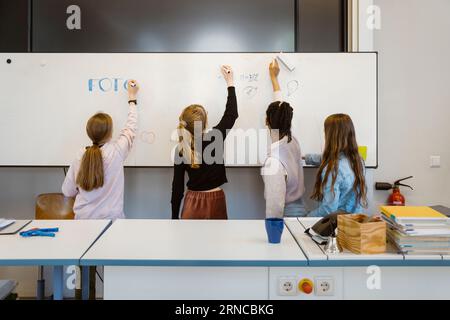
{"x":274,"y":71}
{"x":127,"y":135}
{"x":313,"y":159}
{"x":231,"y":111}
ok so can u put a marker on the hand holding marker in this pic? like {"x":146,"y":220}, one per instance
{"x":274,"y":71}
{"x":133,"y":89}
{"x":227,"y":73}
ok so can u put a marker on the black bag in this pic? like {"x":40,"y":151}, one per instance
{"x":326,"y":226}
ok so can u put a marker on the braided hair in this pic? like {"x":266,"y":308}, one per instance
{"x":186,"y":129}
{"x":279,"y":117}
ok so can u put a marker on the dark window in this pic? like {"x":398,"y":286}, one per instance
{"x":321,"y":25}
{"x":174,"y":26}
{"x":14,"y":25}
{"x":166,"y":26}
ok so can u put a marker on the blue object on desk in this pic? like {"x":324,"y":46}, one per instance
{"x":274,"y":228}
{"x":44,"y":232}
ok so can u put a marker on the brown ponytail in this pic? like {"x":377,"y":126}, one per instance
{"x":91,"y":173}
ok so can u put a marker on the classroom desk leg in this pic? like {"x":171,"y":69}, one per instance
{"x":58,"y":280}
{"x":85,"y":282}
{"x":40,"y":289}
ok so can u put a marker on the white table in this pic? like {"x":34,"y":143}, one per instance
{"x":198,"y":259}
{"x":190,"y":259}
{"x":317,"y":256}
{"x":401,"y":277}
{"x":66,"y":248}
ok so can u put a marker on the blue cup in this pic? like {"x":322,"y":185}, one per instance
{"x":274,"y":228}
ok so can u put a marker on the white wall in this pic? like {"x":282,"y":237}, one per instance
{"x":147,"y":191}
{"x":414,"y":97}
{"x":414,"y":123}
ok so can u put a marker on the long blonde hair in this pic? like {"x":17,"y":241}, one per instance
{"x":186,"y":133}
{"x":340,"y":138}
{"x":91,"y":173}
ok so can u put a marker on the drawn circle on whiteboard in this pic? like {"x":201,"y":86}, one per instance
{"x":148,"y":137}
{"x":250,"y":91}
{"x":292,"y":87}
{"x":8,"y":61}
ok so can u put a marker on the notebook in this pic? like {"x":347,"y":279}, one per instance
{"x":14,"y":227}
{"x":410,"y":214}
{"x":442,"y":209}
{"x":5,"y":223}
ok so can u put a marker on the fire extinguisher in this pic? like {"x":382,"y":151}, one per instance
{"x":395,"y":198}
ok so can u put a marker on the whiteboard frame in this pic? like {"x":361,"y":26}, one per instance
{"x":212,"y":52}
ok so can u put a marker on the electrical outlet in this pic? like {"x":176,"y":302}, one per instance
{"x":287,"y":286}
{"x":324,"y":286}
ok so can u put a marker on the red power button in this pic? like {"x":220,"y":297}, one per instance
{"x":306,"y":286}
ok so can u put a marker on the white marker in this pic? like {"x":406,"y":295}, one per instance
{"x":285,"y":62}
{"x":133,"y":84}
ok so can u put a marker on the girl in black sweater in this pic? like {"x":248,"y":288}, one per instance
{"x":200,"y":154}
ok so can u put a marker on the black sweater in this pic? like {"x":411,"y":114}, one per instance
{"x":207,"y":176}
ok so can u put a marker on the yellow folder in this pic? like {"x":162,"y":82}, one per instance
{"x":411,"y":213}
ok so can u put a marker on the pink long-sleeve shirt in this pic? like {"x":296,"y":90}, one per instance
{"x":105,"y":202}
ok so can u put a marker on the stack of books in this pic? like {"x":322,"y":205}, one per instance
{"x":417,"y":230}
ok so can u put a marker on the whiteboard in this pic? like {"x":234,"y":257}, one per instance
{"x":46,"y":100}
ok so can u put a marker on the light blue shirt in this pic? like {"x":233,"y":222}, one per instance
{"x":344,"y":198}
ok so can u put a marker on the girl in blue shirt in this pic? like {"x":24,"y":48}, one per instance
{"x":340,"y":182}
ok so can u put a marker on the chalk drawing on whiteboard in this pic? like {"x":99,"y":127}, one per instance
{"x":250,"y":91}
{"x":147,"y":137}
{"x":292,"y":87}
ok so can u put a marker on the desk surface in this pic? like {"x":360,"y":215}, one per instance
{"x":192,"y":243}
{"x":71,"y":242}
{"x":317,"y":256}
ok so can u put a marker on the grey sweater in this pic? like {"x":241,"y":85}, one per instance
{"x":282,"y":174}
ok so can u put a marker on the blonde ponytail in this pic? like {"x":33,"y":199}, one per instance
{"x":186,"y":133}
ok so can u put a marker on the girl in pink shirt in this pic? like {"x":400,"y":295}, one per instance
{"x":96,"y":177}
